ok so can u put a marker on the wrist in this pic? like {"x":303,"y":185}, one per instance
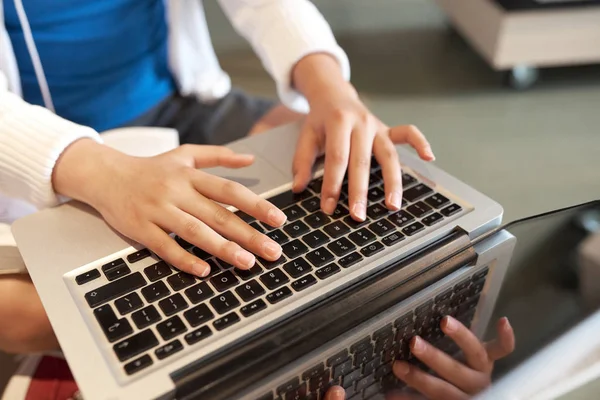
{"x":79,"y":171}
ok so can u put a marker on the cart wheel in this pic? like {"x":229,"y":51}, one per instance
{"x":521,"y":77}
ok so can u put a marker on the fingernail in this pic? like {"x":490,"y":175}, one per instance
{"x":417,"y":345}
{"x":359,"y":211}
{"x":396,"y":199}
{"x":200,"y":270}
{"x":336,"y":393}
{"x":330,"y":205}
{"x":429,"y":153}
{"x":248,"y":156}
{"x":507,"y":326}
{"x":451,"y":324}
{"x":244,"y":258}
{"x":401,"y":368}
{"x":271,"y":249}
{"x":276,"y":217}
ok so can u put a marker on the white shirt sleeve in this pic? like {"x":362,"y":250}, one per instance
{"x":282,"y":32}
{"x":31,"y":140}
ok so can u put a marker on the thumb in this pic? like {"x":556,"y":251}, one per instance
{"x":335,"y":393}
{"x":214,"y":156}
{"x":307,"y":151}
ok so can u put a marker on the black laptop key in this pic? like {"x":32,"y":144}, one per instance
{"x":350,"y":260}
{"x":365,"y":382}
{"x":113,"y":327}
{"x":156,"y":291}
{"x":319,"y":382}
{"x":374,"y":164}
{"x":273,"y":279}
{"x":312,"y":204}
{"x":443,"y":296}
{"x":87,"y":277}
{"x":173,"y":304}
{"x":349,"y":379}
{"x":383,"y":332}
{"x":119,"y":262}
{"x":246,"y":274}
{"x":337,"y":358}
{"x":413,"y":229}
{"x":361,"y":345}
{"x":363,"y":356}
{"x":375,"y":179}
{"x":371,"y":249}
{"x":362,"y":237}
{"x":137,"y":365}
{"x":129,"y":303}
{"x":288,"y":198}
{"x":371,"y":390}
{"x":271,"y":264}
{"x":317,"y":219}
{"x":146,"y":317}
{"x":203,"y":255}
{"x":419,"y":209}
{"x":401,"y":218}
{"x":462,"y":285}
{"x":417,"y":192}
{"x":432,"y":219}
{"x":198,"y":335}
{"x":199,"y":292}
{"x":181,"y":281}
{"x":294,"y":212}
{"x":258,"y":227}
{"x":171,"y":328}
{"x":304,"y":283}
{"x":288,"y":386}
{"x":327,"y":271}
{"x":343,"y":368}
{"x":437,"y":201}
{"x":392,"y":239}
{"x":115,"y":289}
{"x":224,"y":302}
{"x":405,"y":320}
{"x":279,"y":295}
{"x":244,"y":217}
{"x":320,"y":257}
{"x":134,"y":345}
{"x":296,"y":228}
{"x":168,"y":349}
{"x":315,"y":239}
{"x":481,"y":274}
{"x":387,"y":356}
{"x":226,"y":321}
{"x":383,"y":370}
{"x":138,"y":256}
{"x":384,"y":343}
{"x":294,"y":249}
{"x":316,"y":185}
{"x":371,"y":366}
{"x":297,"y":267}
{"x":198,"y":315}
{"x":336,"y":229}
{"x":268,"y":396}
{"x":250,"y":290}
{"x":117,"y":272}
{"x":354,"y":224}
{"x":298,"y":393}
{"x":424,"y":308}
{"x":375,"y":194}
{"x":278,"y":236}
{"x":252,"y":308}
{"x":382,"y":227}
{"x":376,"y":211}
{"x":341,"y":247}
{"x":477,"y":287}
{"x":157,"y":271}
{"x":313,"y":372}
{"x":451,"y":210}
{"x":339,"y":212}
{"x":407,"y":180}
{"x":224,"y":281}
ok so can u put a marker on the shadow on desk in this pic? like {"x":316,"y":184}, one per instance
{"x":7,"y":368}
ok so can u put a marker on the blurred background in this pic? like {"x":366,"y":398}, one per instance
{"x":533,"y":146}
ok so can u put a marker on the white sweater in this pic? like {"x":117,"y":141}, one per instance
{"x":280,"y":31}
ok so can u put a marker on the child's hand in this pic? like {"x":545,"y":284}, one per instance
{"x":144,"y":198}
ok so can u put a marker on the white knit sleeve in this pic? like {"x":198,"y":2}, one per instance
{"x":282,"y":32}
{"x":31,"y":140}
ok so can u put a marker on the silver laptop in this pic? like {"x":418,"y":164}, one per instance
{"x":130,"y":326}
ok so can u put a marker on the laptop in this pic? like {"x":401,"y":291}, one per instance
{"x":132,"y":327}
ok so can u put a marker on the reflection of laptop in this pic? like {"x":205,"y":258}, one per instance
{"x":131,"y":327}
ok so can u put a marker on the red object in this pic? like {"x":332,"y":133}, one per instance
{"x":52,"y":380}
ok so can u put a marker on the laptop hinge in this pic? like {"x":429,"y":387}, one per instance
{"x":228,"y":373}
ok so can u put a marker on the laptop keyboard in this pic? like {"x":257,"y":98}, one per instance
{"x":364,"y":368}
{"x":151,"y":312}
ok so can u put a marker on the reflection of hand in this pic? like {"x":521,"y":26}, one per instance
{"x":457,"y":380}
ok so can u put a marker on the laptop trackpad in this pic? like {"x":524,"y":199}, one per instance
{"x":260,"y":177}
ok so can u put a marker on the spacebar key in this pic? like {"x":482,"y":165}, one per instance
{"x":115,"y":289}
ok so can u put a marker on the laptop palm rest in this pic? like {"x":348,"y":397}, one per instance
{"x":231,"y":371}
